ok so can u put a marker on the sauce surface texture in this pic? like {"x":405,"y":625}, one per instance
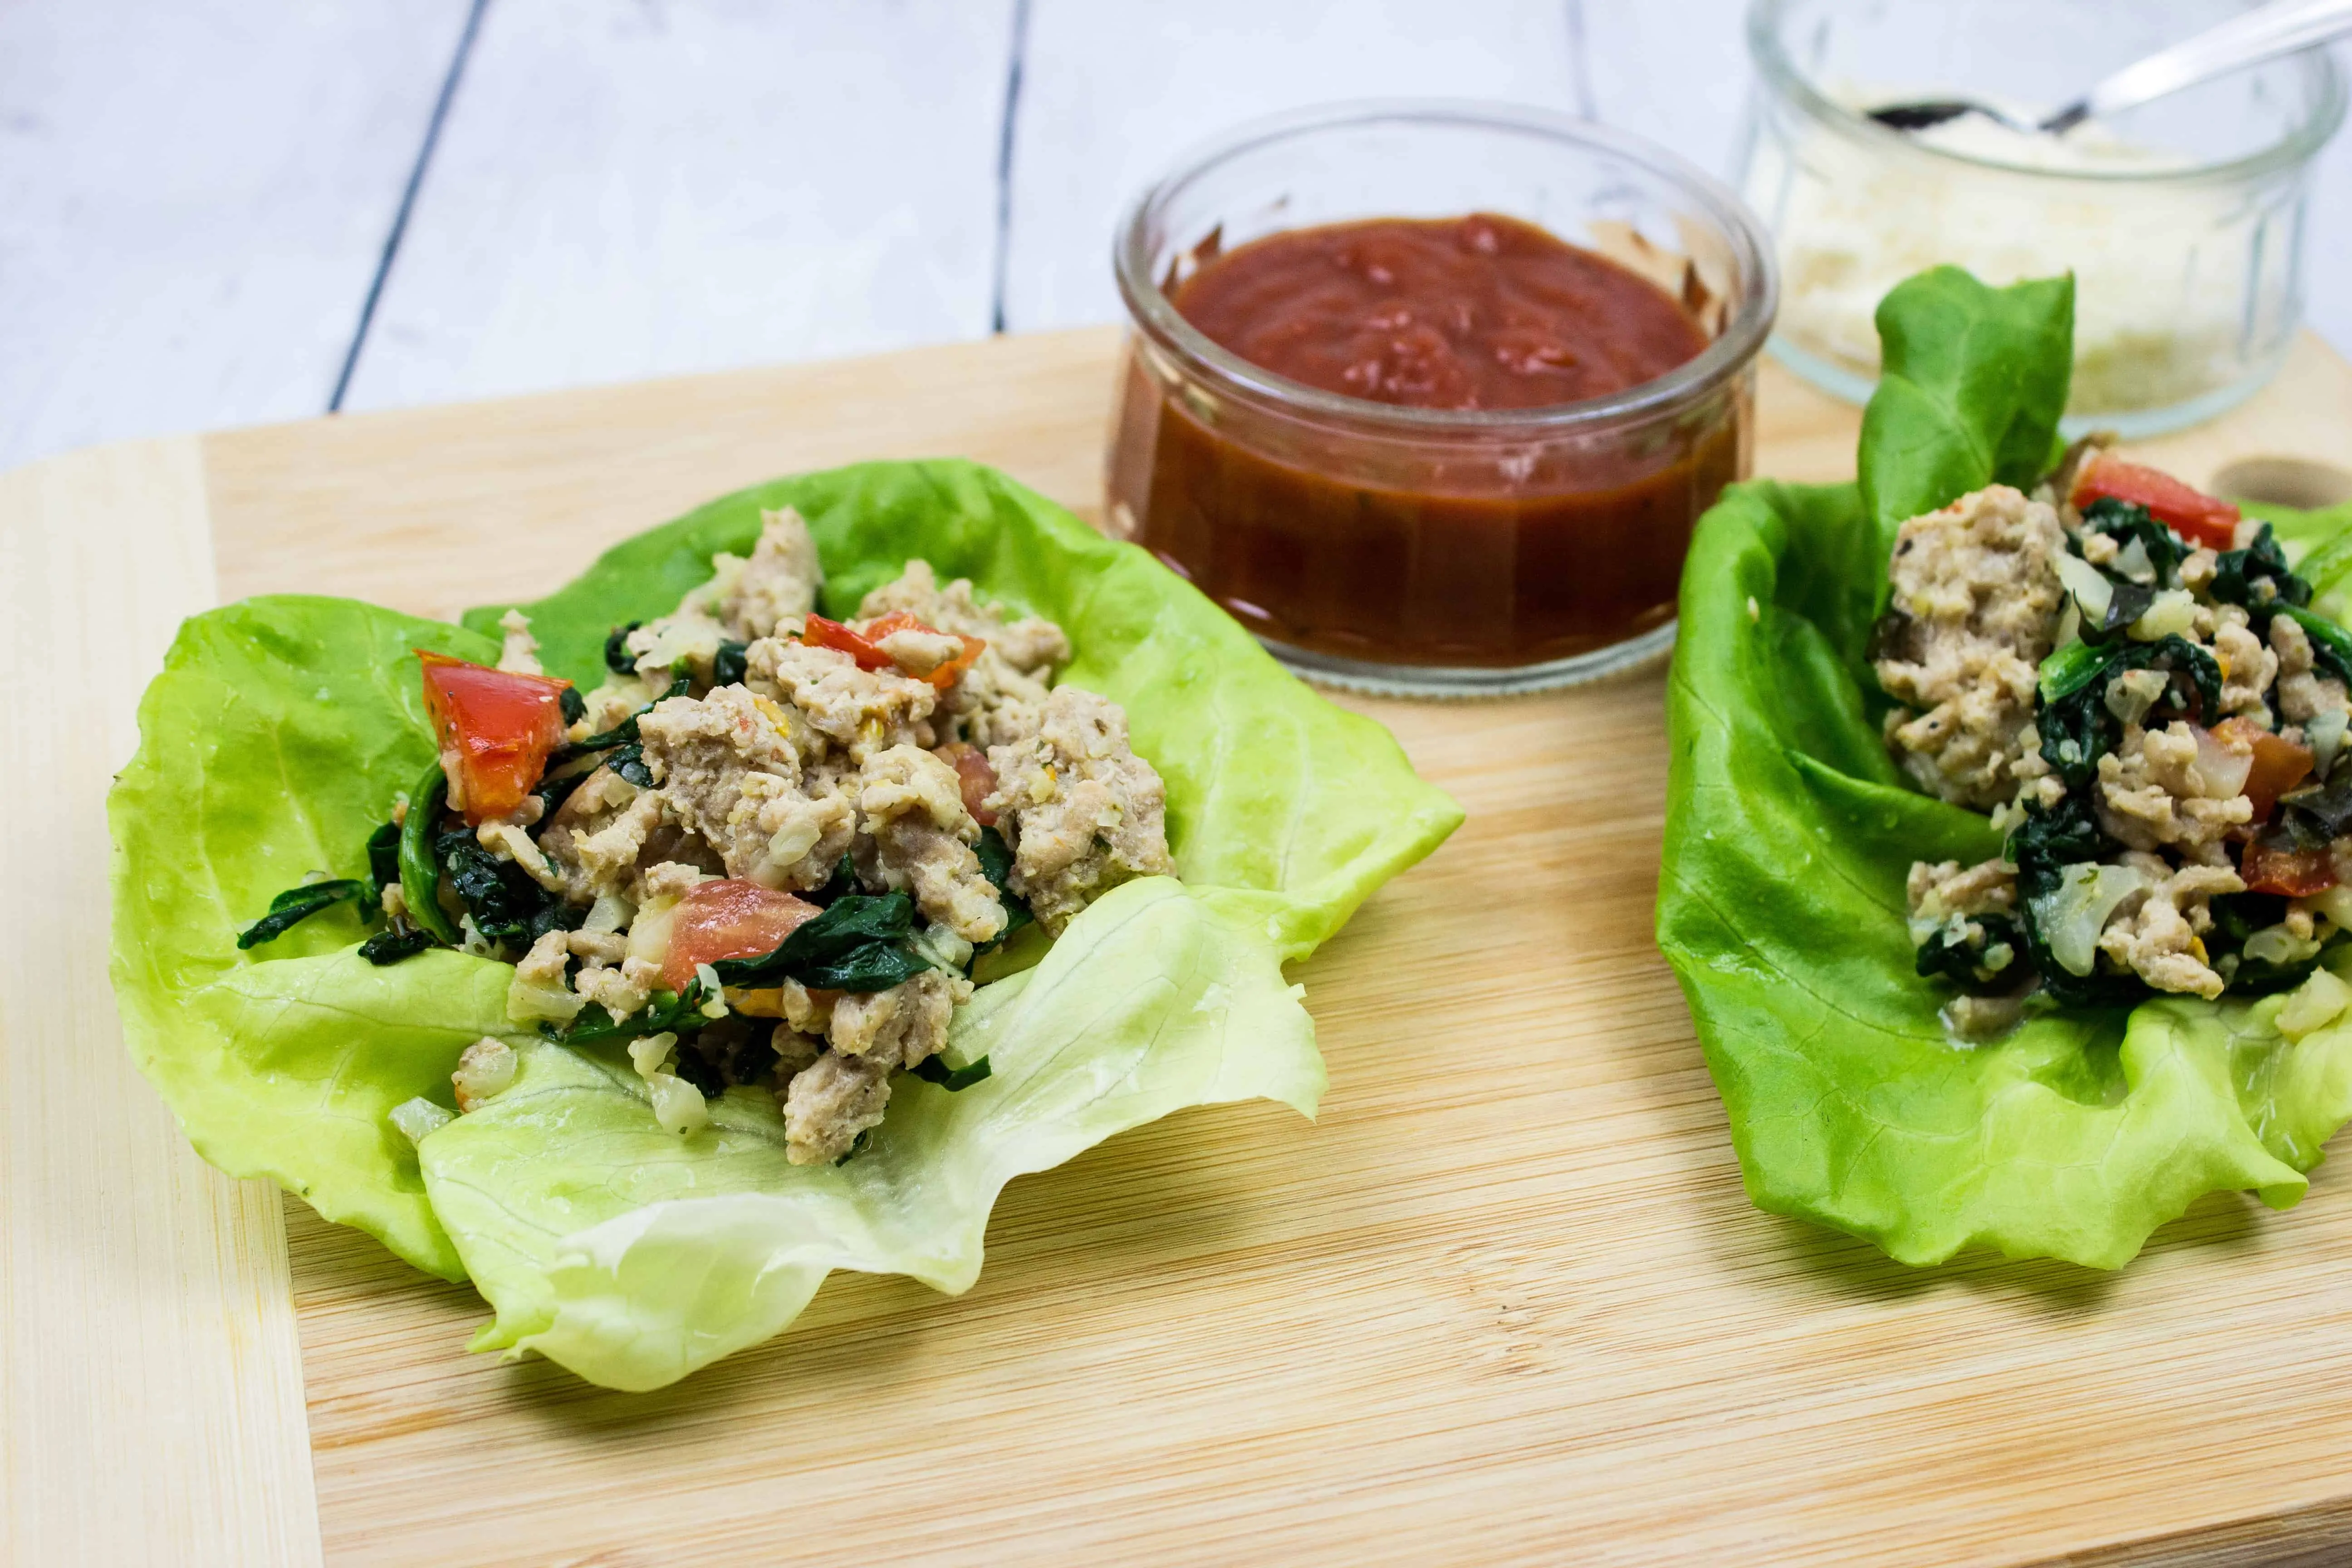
{"x":1476,"y":312}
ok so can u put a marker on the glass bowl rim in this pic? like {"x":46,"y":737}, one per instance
{"x":1780,"y":75}
{"x":1733,"y":349}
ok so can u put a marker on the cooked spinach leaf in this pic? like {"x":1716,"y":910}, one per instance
{"x":384,"y":858}
{"x":616,"y":650}
{"x":2125,"y":604}
{"x":842,"y":881}
{"x":2312,"y":818}
{"x":2053,"y":838}
{"x":858,"y":943}
{"x":2077,"y":726}
{"x":699,"y":1070}
{"x":505,"y":903}
{"x":678,"y":1014}
{"x":420,"y":868}
{"x":629,"y":763}
{"x":729,"y":667}
{"x":552,"y":791}
{"x":857,"y":1147}
{"x":624,"y":733}
{"x":296,"y":905}
{"x":2259,"y":581}
{"x":2237,"y":917}
{"x":575,"y":706}
{"x":2331,"y":645}
{"x":1998,"y":966}
{"x":2124,"y":522}
{"x":392,"y":946}
{"x":955,"y":1081}
{"x":996,"y":865}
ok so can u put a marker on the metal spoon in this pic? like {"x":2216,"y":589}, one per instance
{"x":2279,"y":28}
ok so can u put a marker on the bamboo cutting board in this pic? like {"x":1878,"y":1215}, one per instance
{"x":1505,"y":1301}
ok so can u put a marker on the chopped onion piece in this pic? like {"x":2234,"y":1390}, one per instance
{"x":2276,"y":944}
{"x":2324,"y":736}
{"x":2173,"y":612}
{"x":2223,"y":770}
{"x":2088,"y":584}
{"x":648,"y":1052}
{"x":2072,"y":917}
{"x":415,"y":1118}
{"x":678,"y":1106}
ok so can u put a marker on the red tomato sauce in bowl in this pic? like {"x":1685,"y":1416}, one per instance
{"x":1436,"y":456}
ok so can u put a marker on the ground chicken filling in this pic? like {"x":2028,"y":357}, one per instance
{"x":768,"y":849}
{"x":2130,"y":679}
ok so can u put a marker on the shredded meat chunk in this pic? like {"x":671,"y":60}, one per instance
{"x":729,"y":770}
{"x":2248,"y":667}
{"x":2152,"y":793}
{"x":911,"y":813}
{"x":829,"y":1103}
{"x":2157,"y":935}
{"x":595,"y":840}
{"x":620,"y":990}
{"x":860,"y":711}
{"x":518,"y":653}
{"x":1080,"y":810}
{"x":1937,"y":892}
{"x":843,"y":1093}
{"x":777,"y":587}
{"x":1975,"y":604}
{"x":996,"y":700}
{"x":2303,"y":694}
{"x":901,"y":1027}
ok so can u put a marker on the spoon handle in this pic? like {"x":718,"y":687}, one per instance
{"x":2279,"y":28}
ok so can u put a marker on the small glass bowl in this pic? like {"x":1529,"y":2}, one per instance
{"x":1429,"y":551}
{"x":2182,"y":221}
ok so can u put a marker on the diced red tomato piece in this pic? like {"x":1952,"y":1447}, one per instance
{"x":818,"y":632}
{"x":2279,"y":763}
{"x":941,"y":676}
{"x":973,"y":776}
{"x":2187,"y":511}
{"x":864,"y":648}
{"x":2295,"y":873}
{"x":729,"y":919}
{"x":495,"y":729}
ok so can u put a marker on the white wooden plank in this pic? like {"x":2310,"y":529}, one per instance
{"x":192,"y":199}
{"x":1113,"y":90}
{"x":2327,"y":247}
{"x":628,"y":189}
{"x":151,"y":1374}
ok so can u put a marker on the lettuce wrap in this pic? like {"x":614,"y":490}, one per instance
{"x":1789,"y":831}
{"x":282,"y":728}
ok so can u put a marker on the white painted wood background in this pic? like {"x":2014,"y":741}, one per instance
{"x":219,"y":212}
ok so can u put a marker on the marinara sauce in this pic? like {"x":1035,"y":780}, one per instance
{"x":1488,"y":544}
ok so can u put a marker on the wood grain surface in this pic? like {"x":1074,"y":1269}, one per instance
{"x":150,"y":1392}
{"x":1505,"y":1301}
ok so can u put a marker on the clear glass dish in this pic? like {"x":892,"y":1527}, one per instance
{"x":2182,"y":220}
{"x":1425,"y":551}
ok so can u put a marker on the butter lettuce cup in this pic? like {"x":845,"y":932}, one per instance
{"x":730,"y":986}
{"x":1973,"y":964}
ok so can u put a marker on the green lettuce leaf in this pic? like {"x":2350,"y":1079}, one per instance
{"x":1788,"y":836}
{"x":281,"y":730}
{"x":634,"y":1256}
{"x":1974,"y":381}
{"x":276,"y":737}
